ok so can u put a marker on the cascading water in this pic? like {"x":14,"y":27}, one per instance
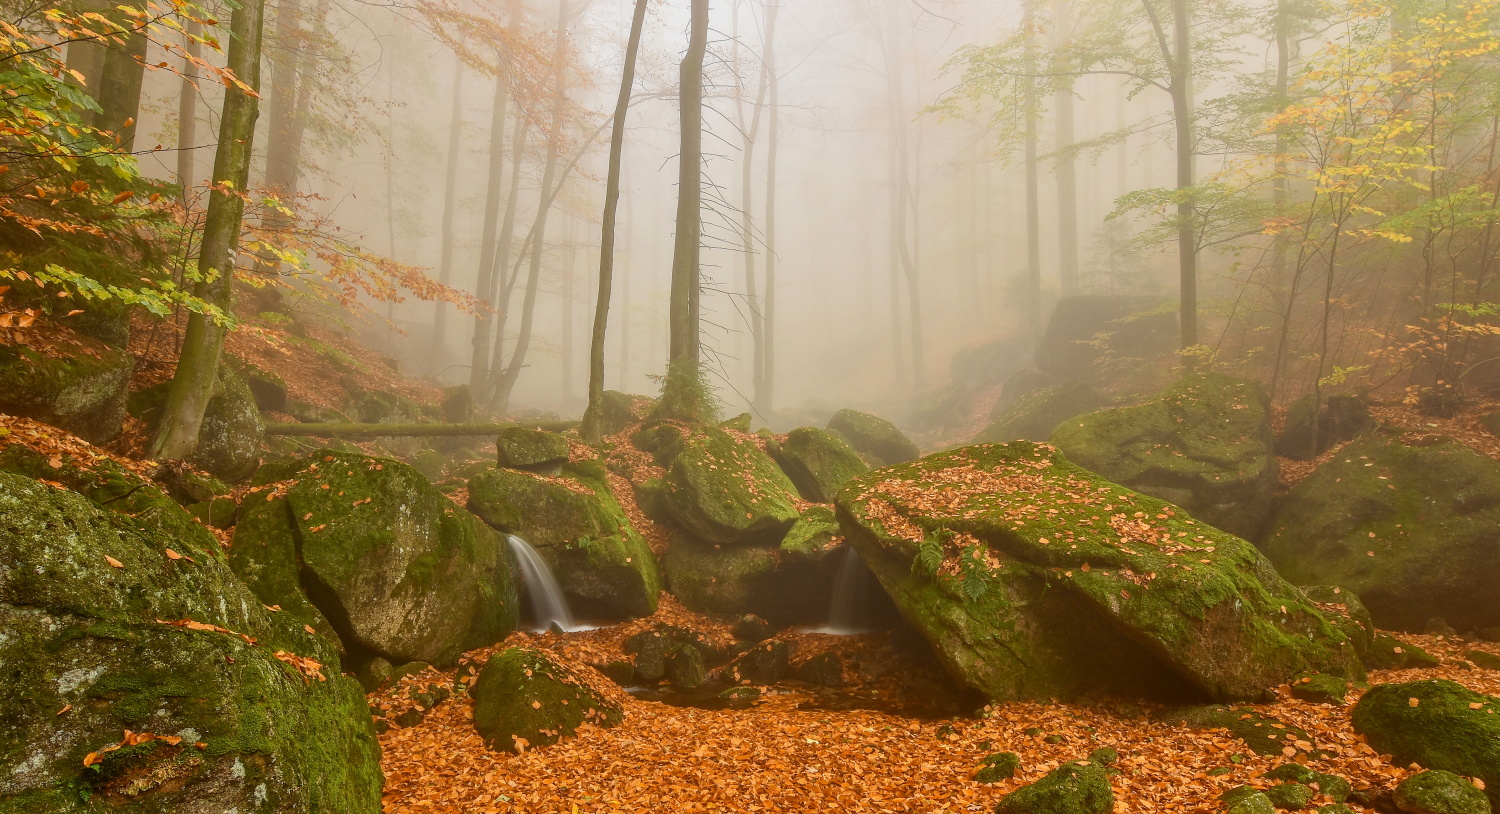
{"x":850,"y":594}
{"x":548,"y":606}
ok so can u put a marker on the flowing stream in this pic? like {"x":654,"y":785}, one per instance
{"x":548,"y":607}
{"x":850,"y":597}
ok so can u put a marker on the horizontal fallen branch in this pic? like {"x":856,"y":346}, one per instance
{"x":350,"y":430}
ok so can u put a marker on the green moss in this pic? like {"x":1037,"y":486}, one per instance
{"x":1264,"y":734}
{"x":1290,"y":796}
{"x":1410,"y":529}
{"x":1077,"y":788}
{"x":1345,"y":611}
{"x":818,"y":462}
{"x":83,"y":394}
{"x":713,"y":578}
{"x":1320,"y":689}
{"x":997,"y":767}
{"x":1204,"y":444}
{"x":1440,"y":792}
{"x":1438,"y":724}
{"x":523,"y":699}
{"x":723,"y":490}
{"x":1328,"y":785}
{"x":523,"y":448}
{"x":1252,"y":803}
{"x":873,"y":436}
{"x":1390,"y":653}
{"x":1035,"y":415}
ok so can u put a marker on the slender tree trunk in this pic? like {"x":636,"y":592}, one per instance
{"x":290,"y":95}
{"x":119,"y":97}
{"x":500,"y":401}
{"x":766,"y":398}
{"x":749,"y":132}
{"x":503,"y":277}
{"x":198,"y":366}
{"x":570,"y":260}
{"x":450,"y":207}
{"x":684,"y":338}
{"x":1182,"y":112}
{"x":479,"y":361}
{"x":85,"y":58}
{"x":1280,"y":295}
{"x":187,"y":111}
{"x":593,"y":417}
{"x":1032,"y":284}
{"x":1067,"y":175}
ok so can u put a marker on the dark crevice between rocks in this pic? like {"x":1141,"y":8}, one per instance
{"x":357,"y":654}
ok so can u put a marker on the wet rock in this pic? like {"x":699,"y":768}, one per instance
{"x":1440,"y":792}
{"x":533,"y":450}
{"x":82,"y":391}
{"x":766,"y":663}
{"x":525,"y":699}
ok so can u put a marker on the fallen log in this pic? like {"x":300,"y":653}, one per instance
{"x":351,"y":430}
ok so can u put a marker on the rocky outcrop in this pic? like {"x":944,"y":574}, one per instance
{"x":82,"y":391}
{"x":874,"y":437}
{"x":1410,"y":529}
{"x":533,"y":450}
{"x":1310,"y":429}
{"x":1203,"y":444}
{"x":1033,"y":578}
{"x":1034,"y":416}
{"x":112,"y":627}
{"x":725,"y":490}
{"x":818,"y":462}
{"x":1094,"y":337}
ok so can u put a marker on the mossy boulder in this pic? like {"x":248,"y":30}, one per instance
{"x":623,"y":409}
{"x":1264,"y":734}
{"x":725,"y":489}
{"x":83,"y":391}
{"x":1098,"y":338}
{"x":1310,"y":429}
{"x":818,"y":462}
{"x":1034,"y":578}
{"x":1410,"y":529}
{"x":765,"y":663}
{"x":874,"y":437}
{"x":1204,"y":444}
{"x":578,"y":528}
{"x":267,"y":386}
{"x":229,"y":439}
{"x":1343,"y":610}
{"x":997,"y":767}
{"x":718,"y":577}
{"x":1328,"y":785}
{"x":1252,"y":802}
{"x":1390,"y":653}
{"x":1439,"y":792}
{"x":1317,"y":688}
{"x":1437,"y":724}
{"x":1079,"y":787}
{"x":536,"y":450}
{"x":393,"y":566}
{"x":235,"y":706}
{"x":1035,"y":415}
{"x":524,"y":698}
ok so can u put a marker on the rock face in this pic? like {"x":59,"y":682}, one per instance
{"x":83,"y":393}
{"x":524,"y":699}
{"x":576,"y":526}
{"x":1204,"y":444}
{"x":236,"y":708}
{"x":1086,"y":334}
{"x":229,"y":440}
{"x":1411,"y":530}
{"x":724,"y":490}
{"x":1437,"y":724}
{"x":818,"y":462}
{"x":1034,"y":416}
{"x":1340,"y":419}
{"x":522,"y":448}
{"x":873,"y":436}
{"x":389,"y":563}
{"x":1344,"y":611}
{"x":1033,"y":578}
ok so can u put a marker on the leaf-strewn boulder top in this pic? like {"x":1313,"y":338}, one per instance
{"x":524,"y":448}
{"x":1203,"y":444}
{"x":1411,"y":529}
{"x":872,"y":435}
{"x":523,"y":699}
{"x":234,"y":707}
{"x":1438,"y":724}
{"x":1037,"y":414}
{"x":576,"y":526}
{"x":396,"y":568}
{"x":726,"y":490}
{"x":1034,"y":578}
{"x":818,"y":462}
{"x":83,"y":392}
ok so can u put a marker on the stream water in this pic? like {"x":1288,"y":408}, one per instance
{"x":549,"y":608}
{"x":848,"y":606}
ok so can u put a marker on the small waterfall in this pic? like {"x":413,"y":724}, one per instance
{"x":850,"y":596}
{"x":547,"y":602}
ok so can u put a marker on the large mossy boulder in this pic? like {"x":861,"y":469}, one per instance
{"x":1034,"y":416}
{"x":1439,"y":792}
{"x":525,"y":448}
{"x":870,"y":435}
{"x":83,"y":391}
{"x":1343,"y":609}
{"x":578,"y":528}
{"x":393,"y":566}
{"x":229,"y":439}
{"x":818,"y":462}
{"x":1438,"y":724}
{"x":719,"y":578}
{"x":1096,"y":337}
{"x":1034,"y":578}
{"x":722,"y":488}
{"x":1410,"y":529}
{"x":1204,"y":444}
{"x":523,"y":698}
{"x":234,"y":707}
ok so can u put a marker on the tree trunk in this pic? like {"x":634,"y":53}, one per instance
{"x":198,"y":366}
{"x":1067,"y":178}
{"x":684,"y":341}
{"x":749,"y":132}
{"x":1032,"y":285}
{"x":593,"y":417}
{"x":1182,"y":113}
{"x":341,"y":430}
{"x":502,"y":278}
{"x":291,"y":95}
{"x":119,"y":96}
{"x":479,"y":361}
{"x":450,"y":207}
{"x":187,"y":112}
{"x":765,"y":398}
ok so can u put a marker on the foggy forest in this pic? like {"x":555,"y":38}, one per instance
{"x":481,"y":406}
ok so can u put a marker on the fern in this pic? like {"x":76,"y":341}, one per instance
{"x":974,"y":574}
{"x":929,"y":557}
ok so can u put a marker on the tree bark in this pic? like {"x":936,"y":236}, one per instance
{"x":593,"y":417}
{"x":1032,"y":284}
{"x":198,"y":366}
{"x":119,"y":98}
{"x":749,"y":131}
{"x":765,"y":398}
{"x":479,"y":359}
{"x":1182,"y":111}
{"x":187,"y":112}
{"x":684,"y":340}
{"x":450,"y":207}
{"x":1067,"y":174}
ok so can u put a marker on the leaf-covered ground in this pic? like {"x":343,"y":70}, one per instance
{"x":781,"y":756}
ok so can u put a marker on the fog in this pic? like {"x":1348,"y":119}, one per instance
{"x":857,"y":85}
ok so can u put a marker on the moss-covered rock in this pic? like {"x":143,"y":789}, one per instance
{"x":685,"y":668}
{"x":390,"y":563}
{"x":1328,"y":785}
{"x":1317,"y":688}
{"x":718,"y":578}
{"x":873,"y":436}
{"x":246,"y":711}
{"x":997,"y":767}
{"x":1099,"y":338}
{"x":229,"y":440}
{"x":1390,"y":653}
{"x":823,"y":670}
{"x":1410,"y":529}
{"x":765,"y":663}
{"x":1483,"y":658}
{"x":1079,"y":787}
{"x":83,"y":392}
{"x":1264,"y":734}
{"x":536,"y":450}
{"x":1439,"y":792}
{"x":1311,"y":430}
{"x":523,"y":699}
{"x":1035,"y":415}
{"x":575,"y":524}
{"x":1204,"y":444}
{"x":1033,"y":578}
{"x":1290,"y":796}
{"x":1344,"y":611}
{"x":818,"y":462}
{"x":1253,"y":802}
{"x":267,"y":386}
{"x":623,"y":409}
{"x":726,"y":490}
{"x":1438,"y":724}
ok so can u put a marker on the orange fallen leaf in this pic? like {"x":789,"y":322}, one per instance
{"x":113,"y":562}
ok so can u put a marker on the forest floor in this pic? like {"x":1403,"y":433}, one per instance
{"x":793,"y":751}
